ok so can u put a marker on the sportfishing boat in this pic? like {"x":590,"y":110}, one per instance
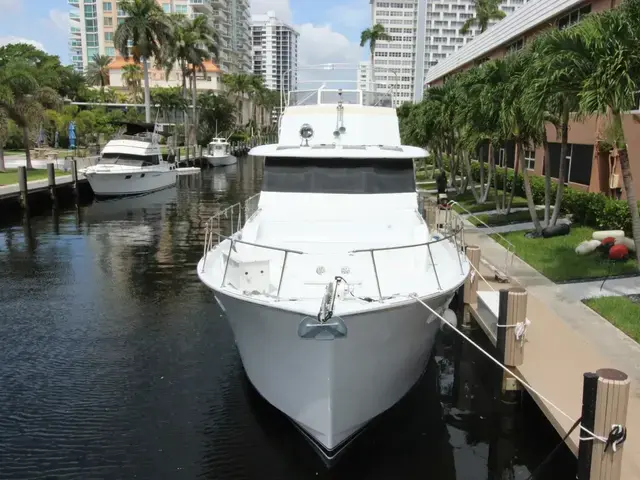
{"x":131,"y":163}
{"x":321,"y":281}
{"x":219,"y":154}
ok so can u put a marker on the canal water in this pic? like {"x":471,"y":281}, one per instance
{"x":115,"y":362}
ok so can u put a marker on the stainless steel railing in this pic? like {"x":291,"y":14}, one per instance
{"x":445,"y":222}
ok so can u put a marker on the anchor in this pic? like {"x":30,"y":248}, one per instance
{"x":320,"y":328}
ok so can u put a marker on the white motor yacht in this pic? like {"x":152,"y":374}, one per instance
{"x":320,"y":282}
{"x":218,"y":153}
{"x":131,"y":164}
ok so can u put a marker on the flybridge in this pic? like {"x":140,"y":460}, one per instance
{"x":324,"y":96}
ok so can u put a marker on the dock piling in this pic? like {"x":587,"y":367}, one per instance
{"x":512,"y":313}
{"x":51,"y":177}
{"x":74,"y":176}
{"x":24,"y":189}
{"x":604,"y":412}
{"x":471,"y":284}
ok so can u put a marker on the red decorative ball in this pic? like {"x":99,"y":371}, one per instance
{"x":618,"y":252}
{"x":608,"y":241}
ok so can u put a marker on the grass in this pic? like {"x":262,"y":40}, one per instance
{"x":496,"y":219}
{"x":468,"y":202}
{"x":10,"y":176}
{"x":622,"y":312}
{"x":556,"y":259}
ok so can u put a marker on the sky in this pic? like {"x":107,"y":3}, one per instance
{"x":329,"y":29}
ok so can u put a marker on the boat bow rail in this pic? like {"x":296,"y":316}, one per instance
{"x":444,"y":225}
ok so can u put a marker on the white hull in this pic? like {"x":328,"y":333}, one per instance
{"x":332,"y":389}
{"x":220,"y":161}
{"x":131,"y":183}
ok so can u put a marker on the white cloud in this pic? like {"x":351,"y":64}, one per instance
{"x":351,"y":16}
{"x":11,"y":39}
{"x":280,"y":7}
{"x":60,"y":20}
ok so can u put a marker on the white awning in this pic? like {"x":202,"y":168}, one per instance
{"x":339,"y":151}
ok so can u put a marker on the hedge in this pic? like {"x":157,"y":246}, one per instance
{"x":587,"y":208}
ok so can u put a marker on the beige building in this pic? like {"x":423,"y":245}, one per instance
{"x":93,"y":24}
{"x":588,"y":167}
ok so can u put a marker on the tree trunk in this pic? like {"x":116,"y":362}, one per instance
{"x":485,"y":194}
{"x":527,"y":189}
{"x":194,"y":101}
{"x":563,"y":162}
{"x":547,"y":182}
{"x":513,"y":184}
{"x":372,"y":80}
{"x":147,"y":91}
{"x":25,"y":142}
{"x":632,"y":201}
{"x":467,"y":164}
{"x":2,"y":166}
{"x":482,"y":186}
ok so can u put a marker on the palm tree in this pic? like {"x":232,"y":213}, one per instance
{"x":98,"y":71}
{"x":23,"y":100}
{"x":132,"y":78}
{"x":238,"y":84}
{"x":372,"y":36}
{"x":606,"y":45}
{"x":142,"y":34}
{"x":486,"y":10}
{"x":192,"y":43}
{"x":257,"y":90}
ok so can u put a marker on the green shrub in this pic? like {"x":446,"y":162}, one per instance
{"x":587,"y":208}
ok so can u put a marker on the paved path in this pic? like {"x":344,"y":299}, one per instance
{"x":514,"y":227}
{"x":565,"y":340}
{"x":611,"y":287}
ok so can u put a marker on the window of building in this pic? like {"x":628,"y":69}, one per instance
{"x":107,"y":7}
{"x":530,"y":159}
{"x":515,"y":46}
{"x":110,"y":51}
{"x":166,"y":7}
{"x":108,"y":21}
{"x":573,"y":17}
{"x":181,"y":9}
{"x":92,"y":52}
{"x":108,"y":36}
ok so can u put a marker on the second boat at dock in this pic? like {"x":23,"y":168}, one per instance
{"x":131,"y":163}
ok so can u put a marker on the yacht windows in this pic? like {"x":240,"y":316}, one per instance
{"x":338,"y":175}
{"x":129,"y":159}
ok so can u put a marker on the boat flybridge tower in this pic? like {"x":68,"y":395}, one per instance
{"x":333,"y":121}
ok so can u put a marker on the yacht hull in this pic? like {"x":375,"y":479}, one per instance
{"x":120,"y":184}
{"x":221,"y":161}
{"x":332,"y":388}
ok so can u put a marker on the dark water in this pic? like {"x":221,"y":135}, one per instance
{"x":115,"y":362}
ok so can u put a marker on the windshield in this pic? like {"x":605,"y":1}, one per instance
{"x":338,"y":175}
{"x":129,"y":159}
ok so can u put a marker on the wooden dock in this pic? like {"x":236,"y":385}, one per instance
{"x":37,"y":186}
{"x":556,"y":359}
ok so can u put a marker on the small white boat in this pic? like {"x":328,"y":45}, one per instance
{"x":131,"y":164}
{"x":219,"y":154}
{"x":320,"y":283}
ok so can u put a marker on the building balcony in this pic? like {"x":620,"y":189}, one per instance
{"x":74,"y":16}
{"x":74,"y":3}
{"x":75,"y":31}
{"x":202,"y":6}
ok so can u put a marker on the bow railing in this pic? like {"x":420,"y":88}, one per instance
{"x":444,"y":226}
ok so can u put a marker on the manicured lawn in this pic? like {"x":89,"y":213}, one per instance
{"x":622,"y":312}
{"x":468,"y":202}
{"x":11,"y":175}
{"x":556,"y":259}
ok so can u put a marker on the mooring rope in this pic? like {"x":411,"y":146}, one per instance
{"x":592,"y":435}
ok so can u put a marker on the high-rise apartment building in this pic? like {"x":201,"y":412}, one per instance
{"x":275,"y":52}
{"x":422,"y":32}
{"x":93,"y":23}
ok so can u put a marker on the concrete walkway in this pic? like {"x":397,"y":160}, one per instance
{"x":514,"y":227}
{"x":612,"y":287}
{"x":565,"y":340}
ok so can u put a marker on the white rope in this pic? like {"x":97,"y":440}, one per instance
{"x":520,"y":329}
{"x":520,"y":379}
{"x":475,"y":270}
